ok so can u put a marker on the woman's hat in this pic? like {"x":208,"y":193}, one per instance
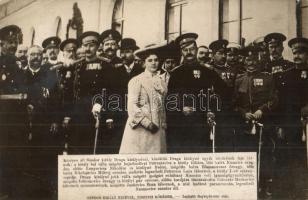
{"x":150,"y":49}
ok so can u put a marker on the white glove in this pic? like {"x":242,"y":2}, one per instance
{"x":96,"y":109}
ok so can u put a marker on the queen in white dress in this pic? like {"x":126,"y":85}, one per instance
{"x":145,"y":128}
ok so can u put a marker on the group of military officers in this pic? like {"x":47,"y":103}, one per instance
{"x":74,"y":103}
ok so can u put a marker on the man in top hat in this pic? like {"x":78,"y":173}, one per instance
{"x":203,"y":55}
{"x":292,"y":154}
{"x":189,"y":83}
{"x":51,"y":45}
{"x":254,"y":99}
{"x":110,"y":39}
{"x":92,"y":76}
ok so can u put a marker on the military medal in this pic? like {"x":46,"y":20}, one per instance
{"x":304,"y":74}
{"x":197,"y":73}
{"x":258,"y":82}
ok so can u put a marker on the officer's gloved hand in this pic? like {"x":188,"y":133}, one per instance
{"x":30,"y":109}
{"x":65,"y":122}
{"x":96,"y":109}
{"x":152,"y":128}
{"x":249,"y":116}
{"x":53,"y":128}
{"x":109,"y":123}
{"x":188,"y":110}
{"x":280,"y":133}
{"x":258,"y":114}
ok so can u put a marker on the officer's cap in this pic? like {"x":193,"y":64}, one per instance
{"x":298,"y":43}
{"x":68,"y":41}
{"x":148,"y":50}
{"x":51,"y":42}
{"x":249,"y":51}
{"x":233,"y":47}
{"x":110,"y":34}
{"x":11,"y":32}
{"x":275,"y":38}
{"x":89,"y":37}
{"x":219,"y":45}
{"x":128,"y":43}
{"x":186,"y":39}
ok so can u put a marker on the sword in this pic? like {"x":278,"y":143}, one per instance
{"x":212,"y":123}
{"x":306,"y":130}
{"x":96,"y":133}
{"x":259,"y":150}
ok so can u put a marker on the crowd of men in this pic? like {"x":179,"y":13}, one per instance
{"x":74,"y":103}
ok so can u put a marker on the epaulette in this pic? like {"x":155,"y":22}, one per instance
{"x":177,"y":67}
{"x":118,"y":65}
{"x":267,"y":73}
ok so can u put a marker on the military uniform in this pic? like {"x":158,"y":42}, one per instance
{"x":12,"y":115}
{"x":190,"y":133}
{"x":228,"y":74}
{"x":291,"y":153}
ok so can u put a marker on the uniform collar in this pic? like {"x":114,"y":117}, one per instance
{"x":34,"y":71}
{"x":131,"y":66}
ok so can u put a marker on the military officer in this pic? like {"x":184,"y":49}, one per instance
{"x":11,"y":110}
{"x":277,"y":63}
{"x":13,"y":37}
{"x":189,"y":84}
{"x":66,"y":73}
{"x":225,"y":72}
{"x":232,"y":58}
{"x":91,"y":78}
{"x":254,"y":99}
{"x":51,"y":45}
{"x":123,"y":73}
{"x":291,"y":156}
{"x":110,"y":39}
{"x":261,"y":45}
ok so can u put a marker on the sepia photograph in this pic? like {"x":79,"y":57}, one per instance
{"x":154,"y":99}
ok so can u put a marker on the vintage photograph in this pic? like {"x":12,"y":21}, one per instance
{"x":109,"y":77}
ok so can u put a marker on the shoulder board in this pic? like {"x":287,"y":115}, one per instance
{"x":177,"y":67}
{"x":266,"y":73}
{"x":118,"y":65}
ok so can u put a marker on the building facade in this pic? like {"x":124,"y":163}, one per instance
{"x":152,"y":21}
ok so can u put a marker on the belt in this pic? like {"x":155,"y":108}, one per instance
{"x":20,"y":96}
